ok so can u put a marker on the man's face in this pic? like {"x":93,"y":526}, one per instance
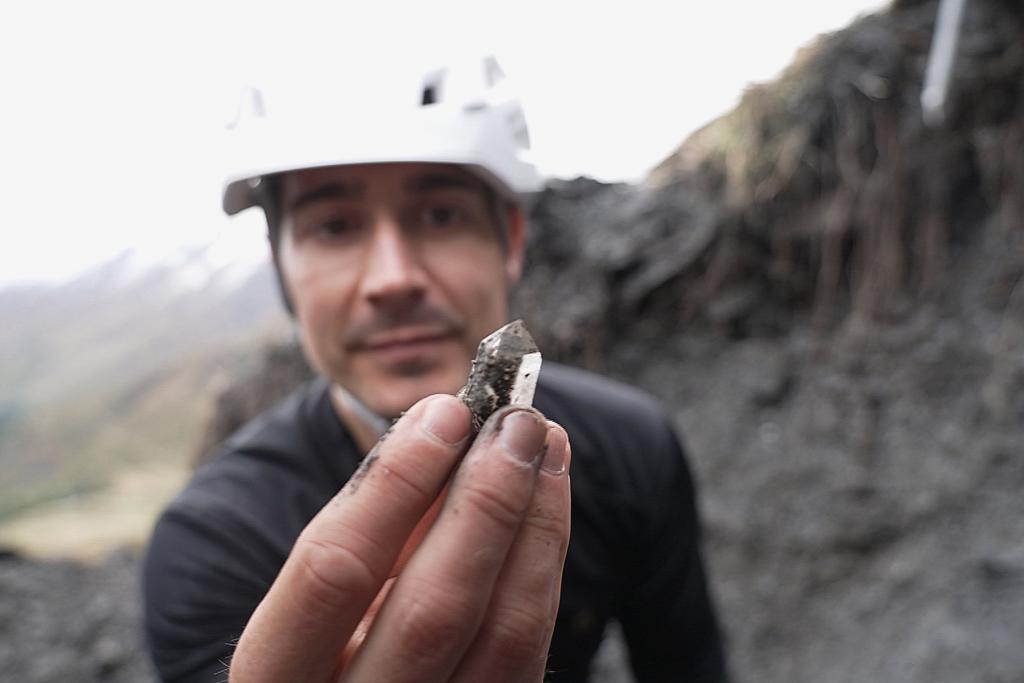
{"x":395,"y":271}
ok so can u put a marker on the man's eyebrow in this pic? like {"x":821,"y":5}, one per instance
{"x":325,"y":192}
{"x":436,"y":180}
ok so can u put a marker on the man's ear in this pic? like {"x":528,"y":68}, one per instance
{"x":515,"y":243}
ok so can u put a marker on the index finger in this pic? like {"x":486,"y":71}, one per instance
{"x":345,"y":554}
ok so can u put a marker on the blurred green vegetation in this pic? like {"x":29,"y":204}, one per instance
{"x":106,"y":373}
{"x":74,"y":445}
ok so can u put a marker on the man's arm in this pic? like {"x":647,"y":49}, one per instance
{"x":477,"y":598}
{"x":208,"y":565}
{"x":669,"y":622}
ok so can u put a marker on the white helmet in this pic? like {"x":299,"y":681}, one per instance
{"x":463,"y":114}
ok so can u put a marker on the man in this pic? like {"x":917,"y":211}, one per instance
{"x":395,"y":248}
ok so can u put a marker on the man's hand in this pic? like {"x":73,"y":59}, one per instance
{"x":477,"y":597}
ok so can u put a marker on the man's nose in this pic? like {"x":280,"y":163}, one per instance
{"x":393,"y":274}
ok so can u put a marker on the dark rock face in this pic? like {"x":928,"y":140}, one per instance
{"x":859,"y":483}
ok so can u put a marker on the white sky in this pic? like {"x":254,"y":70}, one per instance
{"x":111,"y":112}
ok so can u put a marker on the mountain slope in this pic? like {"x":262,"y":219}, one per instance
{"x":118,"y":366}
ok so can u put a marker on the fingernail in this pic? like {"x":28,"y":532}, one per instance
{"x":555,"y":455}
{"x":523,"y":435}
{"x":446,"y":418}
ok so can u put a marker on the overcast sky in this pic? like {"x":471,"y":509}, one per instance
{"x":113,"y":111}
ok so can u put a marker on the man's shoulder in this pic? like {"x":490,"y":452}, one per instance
{"x":219,"y":544}
{"x":620,"y":435}
{"x":283,"y":426}
{"x":626,"y":454}
{"x":286,"y":446}
{"x":591,"y":397}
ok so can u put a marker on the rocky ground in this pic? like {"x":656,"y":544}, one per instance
{"x":64,"y":621}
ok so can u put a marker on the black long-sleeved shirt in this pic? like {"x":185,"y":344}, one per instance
{"x":634,"y":554}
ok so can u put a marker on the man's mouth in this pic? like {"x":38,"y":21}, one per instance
{"x":404,"y":341}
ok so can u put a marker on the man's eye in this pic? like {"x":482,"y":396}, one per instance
{"x":441,"y":216}
{"x":336,"y":227}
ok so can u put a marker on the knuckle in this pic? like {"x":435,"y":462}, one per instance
{"x":498,"y":505}
{"x":547,"y":523}
{"x":516,"y":634}
{"x":406,"y":478}
{"x":431,"y":627}
{"x":334,"y":575}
